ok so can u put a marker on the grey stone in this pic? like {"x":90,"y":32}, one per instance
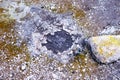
{"x":104,"y":49}
{"x":58,"y":42}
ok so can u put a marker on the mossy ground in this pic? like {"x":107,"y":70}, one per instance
{"x":12,"y":55}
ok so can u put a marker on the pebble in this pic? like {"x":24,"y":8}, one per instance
{"x":105,"y":49}
{"x":23,"y":66}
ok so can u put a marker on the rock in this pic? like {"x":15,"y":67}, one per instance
{"x":104,"y":49}
{"x":56,"y":35}
{"x":59,"y":42}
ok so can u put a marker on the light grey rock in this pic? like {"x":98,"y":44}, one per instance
{"x":104,"y":49}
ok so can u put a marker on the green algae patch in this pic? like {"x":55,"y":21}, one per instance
{"x":67,"y":7}
{"x":6,"y":23}
{"x":78,"y":13}
{"x":9,"y":39}
{"x":82,"y":64}
{"x":1,"y":10}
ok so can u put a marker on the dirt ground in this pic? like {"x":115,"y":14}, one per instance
{"x":95,"y":16}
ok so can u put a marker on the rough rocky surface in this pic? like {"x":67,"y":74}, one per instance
{"x":57,"y":35}
{"x":105,"y":49}
{"x":96,"y":17}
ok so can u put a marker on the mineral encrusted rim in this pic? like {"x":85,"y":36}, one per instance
{"x":41,"y":23}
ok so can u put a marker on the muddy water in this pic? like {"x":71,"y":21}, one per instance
{"x":16,"y":62}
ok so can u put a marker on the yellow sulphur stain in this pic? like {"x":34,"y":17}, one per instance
{"x":104,"y":44}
